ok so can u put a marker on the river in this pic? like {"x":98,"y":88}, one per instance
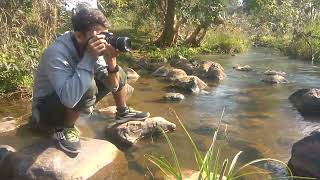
{"x":261,"y":120}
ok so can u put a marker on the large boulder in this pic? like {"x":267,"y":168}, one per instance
{"x":307,"y":101}
{"x":8,"y":124}
{"x":43,"y":160}
{"x":175,"y":74}
{"x":305,"y":157}
{"x":210,"y":70}
{"x":132,"y":75}
{"x":216,"y":72}
{"x":130,"y":132}
{"x":188,"y":67}
{"x":274,"y":79}
{"x":162,"y":71}
{"x":190,"y":84}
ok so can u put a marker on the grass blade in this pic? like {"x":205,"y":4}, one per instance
{"x":173,"y":152}
{"x":194,"y":146}
{"x":233,"y":163}
{"x":223,"y":170}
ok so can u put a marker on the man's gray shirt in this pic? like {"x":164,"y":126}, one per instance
{"x":61,"y":70}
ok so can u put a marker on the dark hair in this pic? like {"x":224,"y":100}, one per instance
{"x":85,"y":19}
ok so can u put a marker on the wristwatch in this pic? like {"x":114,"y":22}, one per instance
{"x":116,"y":69}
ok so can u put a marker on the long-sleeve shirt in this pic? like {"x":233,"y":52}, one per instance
{"x":63,"y":71}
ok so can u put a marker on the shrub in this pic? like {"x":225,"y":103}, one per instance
{"x":226,"y":41}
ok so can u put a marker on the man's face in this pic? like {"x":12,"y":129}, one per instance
{"x":83,"y":38}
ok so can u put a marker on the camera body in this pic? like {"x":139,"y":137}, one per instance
{"x":122,"y":44}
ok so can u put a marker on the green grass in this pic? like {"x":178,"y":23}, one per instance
{"x":226,"y":41}
{"x":209,"y":166}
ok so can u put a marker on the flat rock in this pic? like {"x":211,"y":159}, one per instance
{"x":132,"y":75}
{"x":307,"y":101}
{"x":305,"y":157}
{"x":275,"y":79}
{"x":162,"y":71}
{"x":43,"y":160}
{"x":274,"y":72}
{"x":7,"y":125}
{"x":245,"y":68}
{"x":175,"y":74}
{"x":130,"y":132}
{"x":173,"y":97}
{"x":109,"y":111}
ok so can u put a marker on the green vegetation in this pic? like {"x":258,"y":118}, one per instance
{"x":291,"y":26}
{"x":27,"y":27}
{"x":209,"y":166}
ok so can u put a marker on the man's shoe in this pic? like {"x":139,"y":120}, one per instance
{"x":131,"y":115}
{"x":68,"y":139}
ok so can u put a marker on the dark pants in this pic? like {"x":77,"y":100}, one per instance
{"x":52,"y":111}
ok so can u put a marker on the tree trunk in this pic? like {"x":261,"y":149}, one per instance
{"x":192,"y":39}
{"x":169,"y":32}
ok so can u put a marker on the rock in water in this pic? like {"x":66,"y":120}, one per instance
{"x":273,"y":72}
{"x":216,"y":72}
{"x":130,"y":132}
{"x":174,"y":97}
{"x":305,"y":157}
{"x":162,"y":71}
{"x":190,"y":84}
{"x":245,"y":68}
{"x":129,"y":90}
{"x":175,"y":74}
{"x":210,"y":70}
{"x":307,"y":101}
{"x":8,"y":124}
{"x":43,"y":160}
{"x":132,"y":75}
{"x":275,"y":79}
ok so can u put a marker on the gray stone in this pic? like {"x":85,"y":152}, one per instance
{"x":129,"y":90}
{"x":189,"y":68}
{"x":307,"y":101}
{"x":175,"y":74}
{"x":43,"y":160}
{"x":162,"y":71}
{"x":190,"y":84}
{"x":5,"y":150}
{"x":174,"y":97}
{"x":132,"y":75}
{"x":130,"y":132}
{"x":109,"y":111}
{"x":245,"y":68}
{"x":273,"y":72}
{"x":305,"y":157}
{"x":7,"y":126}
{"x":275,"y":79}
{"x":216,"y":72}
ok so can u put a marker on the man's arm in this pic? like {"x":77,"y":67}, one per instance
{"x":70,"y":85}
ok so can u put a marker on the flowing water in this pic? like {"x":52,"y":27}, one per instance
{"x":261,"y":121}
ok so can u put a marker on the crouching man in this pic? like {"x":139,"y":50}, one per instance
{"x":74,"y":73}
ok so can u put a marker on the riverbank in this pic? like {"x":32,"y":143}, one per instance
{"x":252,"y":109}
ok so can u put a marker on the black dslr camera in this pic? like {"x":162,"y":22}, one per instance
{"x":122,"y":44}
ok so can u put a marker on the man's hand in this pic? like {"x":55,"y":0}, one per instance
{"x":110,"y":55}
{"x":97,"y":45}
